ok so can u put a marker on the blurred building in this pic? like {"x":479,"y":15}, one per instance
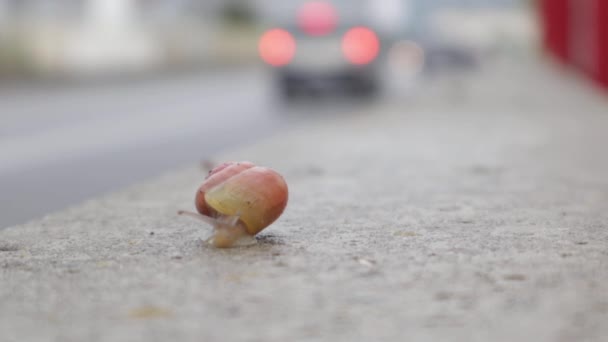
{"x":100,"y":36}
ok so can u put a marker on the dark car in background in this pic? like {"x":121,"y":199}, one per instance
{"x":318,"y":54}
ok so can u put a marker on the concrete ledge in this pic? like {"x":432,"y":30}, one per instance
{"x":476,"y":218}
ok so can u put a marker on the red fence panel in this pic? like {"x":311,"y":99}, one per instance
{"x":555,"y":24}
{"x":602,"y":50}
{"x":576,"y":32}
{"x":583,"y":35}
{"x":589,"y":37}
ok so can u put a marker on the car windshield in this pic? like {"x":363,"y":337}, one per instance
{"x":284,"y":13}
{"x":301,"y":34}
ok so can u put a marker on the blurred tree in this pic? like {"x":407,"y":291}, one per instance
{"x":238,"y":13}
{"x":13,"y":57}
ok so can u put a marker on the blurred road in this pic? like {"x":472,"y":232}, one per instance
{"x":60,"y":145}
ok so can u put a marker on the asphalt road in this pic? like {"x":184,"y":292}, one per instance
{"x":60,"y":145}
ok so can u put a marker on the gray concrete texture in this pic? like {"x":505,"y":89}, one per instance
{"x":477,"y":210}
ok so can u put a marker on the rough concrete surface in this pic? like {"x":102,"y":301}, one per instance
{"x":472,"y":212}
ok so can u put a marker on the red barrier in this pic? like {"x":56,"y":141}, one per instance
{"x":602,"y":50}
{"x":555,"y":24}
{"x":589,"y":37}
{"x":576,"y":32}
{"x":583,"y":35}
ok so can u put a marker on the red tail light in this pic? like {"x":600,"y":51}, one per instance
{"x":277,"y":47}
{"x":360,"y":45}
{"x":317,"y":18}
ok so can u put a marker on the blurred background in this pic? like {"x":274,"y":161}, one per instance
{"x":99,"y":94}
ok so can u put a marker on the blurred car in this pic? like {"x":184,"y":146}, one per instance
{"x":443,"y":54}
{"x":318,"y":56}
{"x":443,"y":57}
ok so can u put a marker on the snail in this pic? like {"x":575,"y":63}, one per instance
{"x":239,"y":200}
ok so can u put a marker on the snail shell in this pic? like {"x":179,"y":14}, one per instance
{"x":239,"y":200}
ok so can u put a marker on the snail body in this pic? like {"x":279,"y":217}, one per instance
{"x":239,"y":200}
